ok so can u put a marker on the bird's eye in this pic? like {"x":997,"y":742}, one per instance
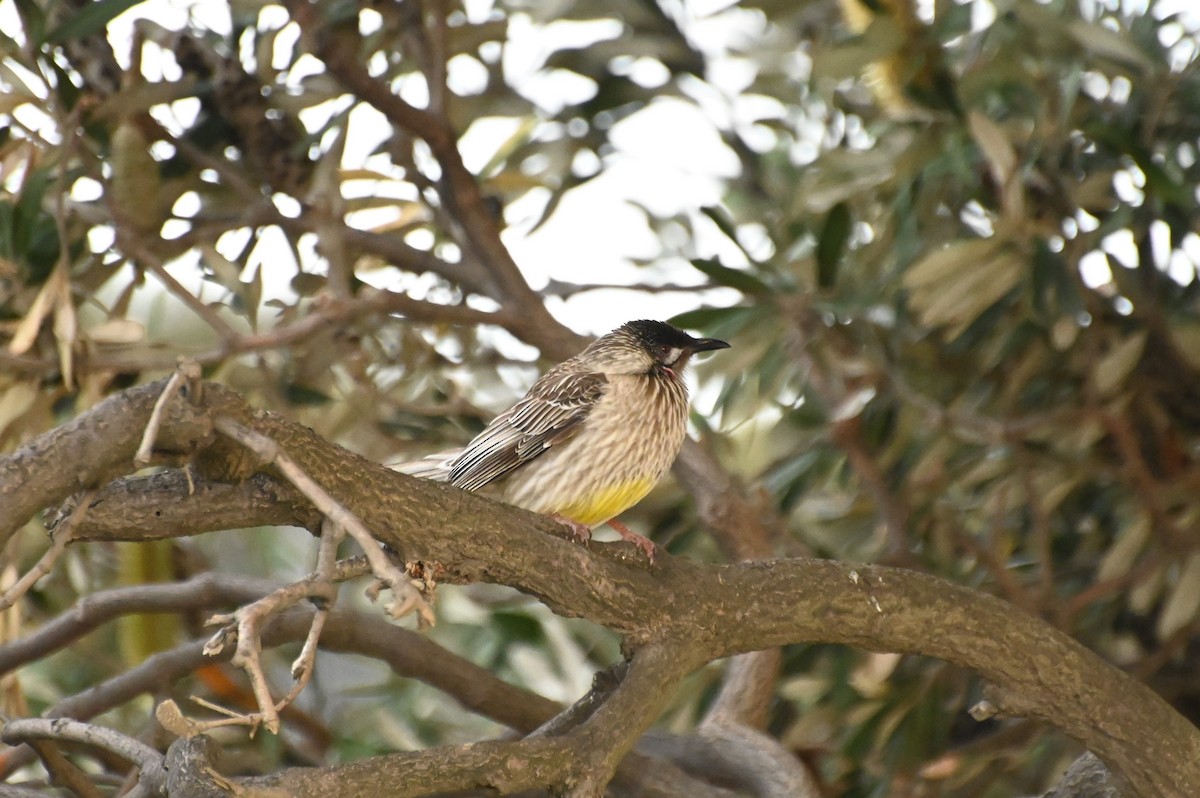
{"x":667,"y":354}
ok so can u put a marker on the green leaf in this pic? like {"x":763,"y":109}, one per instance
{"x":733,"y":278}
{"x":942,"y":264}
{"x":727,"y":323}
{"x":1183,"y":603}
{"x":308,"y":284}
{"x":33,"y":18}
{"x":1109,"y":44}
{"x":1124,"y":551}
{"x":1113,"y":369}
{"x":701,"y":318}
{"x":831,"y":243}
{"x":92,"y":17}
{"x":28,"y":235}
{"x":304,"y":396}
{"x":515,"y":627}
{"x":720,"y":218}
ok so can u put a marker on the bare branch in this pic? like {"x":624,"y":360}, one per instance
{"x":581,"y":760}
{"x":61,"y":537}
{"x":245,"y":628}
{"x":246,"y":624}
{"x":302,"y":668}
{"x":62,"y":770}
{"x":146,"y":758}
{"x":735,"y":755}
{"x":188,"y":372}
{"x":165,"y":505}
{"x":152,"y":263}
{"x":406,"y":597}
{"x":649,"y":683}
{"x":78,"y":455}
{"x":407,"y":653}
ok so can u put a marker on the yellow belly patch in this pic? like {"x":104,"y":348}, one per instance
{"x":607,"y":503}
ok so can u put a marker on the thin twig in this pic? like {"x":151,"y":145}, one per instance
{"x":61,"y":537}
{"x":1098,"y":591}
{"x":246,"y":625}
{"x":565,"y":290}
{"x":892,"y":510}
{"x":303,"y":667}
{"x":1043,"y":537}
{"x":987,"y":557}
{"x":407,"y":653}
{"x":1139,"y":473}
{"x":406,"y":597}
{"x":92,"y":611}
{"x":20,"y":730}
{"x":155,"y":266}
{"x":63,"y":771}
{"x":188,"y":371}
{"x":434,"y":33}
{"x":320,"y":319}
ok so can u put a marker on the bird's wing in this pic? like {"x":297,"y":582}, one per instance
{"x":551,"y":413}
{"x":434,"y":466}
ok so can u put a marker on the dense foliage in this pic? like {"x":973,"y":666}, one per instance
{"x":955,"y":250}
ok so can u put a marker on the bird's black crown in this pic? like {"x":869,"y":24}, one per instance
{"x":653,"y":334}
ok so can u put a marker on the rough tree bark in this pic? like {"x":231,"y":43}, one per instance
{"x":674,"y":615}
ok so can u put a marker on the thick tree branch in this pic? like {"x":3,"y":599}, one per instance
{"x":166,"y":504}
{"x":581,"y":759}
{"x":63,"y":771}
{"x":146,"y":758}
{"x":725,"y":609}
{"x":83,"y":453}
{"x":612,"y":730}
{"x":1086,"y":778}
{"x":736,"y":756}
{"x":639,"y":776}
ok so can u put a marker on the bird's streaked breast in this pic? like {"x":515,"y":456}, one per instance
{"x":628,"y":442}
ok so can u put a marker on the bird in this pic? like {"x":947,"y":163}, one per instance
{"x":592,"y":436}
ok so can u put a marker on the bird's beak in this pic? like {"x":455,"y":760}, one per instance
{"x":707,"y":345}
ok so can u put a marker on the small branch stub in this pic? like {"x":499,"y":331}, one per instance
{"x":406,"y":597}
{"x":188,"y":373}
{"x":984,"y":710}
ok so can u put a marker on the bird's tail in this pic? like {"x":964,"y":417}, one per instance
{"x":434,"y":466}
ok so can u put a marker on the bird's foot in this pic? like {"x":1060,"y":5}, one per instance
{"x":580,"y":533}
{"x":643,"y":543}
